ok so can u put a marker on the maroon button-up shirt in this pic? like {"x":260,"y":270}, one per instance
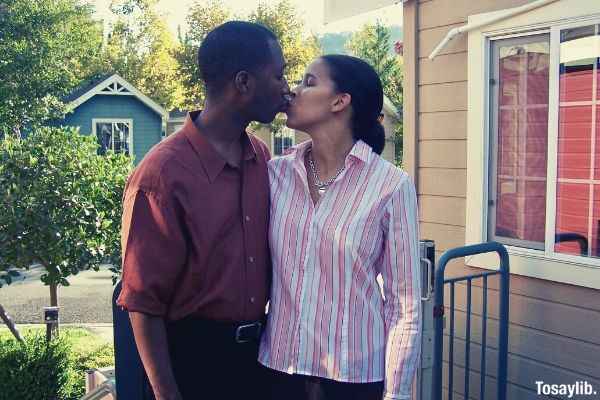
{"x":195,"y":231}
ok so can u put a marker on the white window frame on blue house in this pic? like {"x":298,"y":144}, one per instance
{"x":539,"y":263}
{"x":127,"y":121}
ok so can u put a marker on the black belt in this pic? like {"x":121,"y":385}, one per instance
{"x":238,"y":332}
{"x":248,"y":332}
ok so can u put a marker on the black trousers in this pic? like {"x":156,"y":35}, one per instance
{"x":209,"y":364}
{"x":282,"y":386}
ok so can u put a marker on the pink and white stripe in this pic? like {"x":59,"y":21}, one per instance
{"x":328,"y":316}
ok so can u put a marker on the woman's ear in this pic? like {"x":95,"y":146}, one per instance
{"x":341,"y":102}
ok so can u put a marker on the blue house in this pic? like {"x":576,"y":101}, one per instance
{"x":119,"y":115}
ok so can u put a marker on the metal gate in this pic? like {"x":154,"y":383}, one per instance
{"x":438,"y":314}
{"x":430,"y":375}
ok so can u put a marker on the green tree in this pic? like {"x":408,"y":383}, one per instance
{"x":298,"y":49}
{"x":61,"y":204}
{"x":201,"y":19}
{"x":142,"y":50}
{"x":282,"y":18}
{"x":373,"y":43}
{"x":46,"y":49}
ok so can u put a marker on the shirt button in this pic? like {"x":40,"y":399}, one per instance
{"x":251,"y":259}
{"x":247,"y":218}
{"x":252,"y":299}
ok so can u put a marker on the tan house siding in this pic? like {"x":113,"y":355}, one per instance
{"x":554,"y":328}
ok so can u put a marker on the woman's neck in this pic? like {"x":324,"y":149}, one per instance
{"x":330,"y":146}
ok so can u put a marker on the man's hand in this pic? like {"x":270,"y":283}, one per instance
{"x":151,"y":341}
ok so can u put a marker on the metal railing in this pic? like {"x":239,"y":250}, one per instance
{"x":439,"y":311}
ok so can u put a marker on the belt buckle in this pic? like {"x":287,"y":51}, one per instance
{"x":238,"y":332}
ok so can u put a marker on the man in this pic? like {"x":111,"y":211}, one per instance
{"x":196,"y":261}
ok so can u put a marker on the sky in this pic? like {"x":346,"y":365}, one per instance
{"x":310,"y":10}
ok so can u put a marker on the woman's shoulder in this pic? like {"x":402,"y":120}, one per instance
{"x":397,"y":174}
{"x":396,"y":179}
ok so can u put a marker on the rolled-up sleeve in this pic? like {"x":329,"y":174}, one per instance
{"x":402,"y":289}
{"x":154,"y":252}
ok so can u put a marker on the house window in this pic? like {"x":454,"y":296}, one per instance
{"x":578,"y":169}
{"x":519,"y":144}
{"x":283,"y":140}
{"x":533,"y":141}
{"x":544,"y":178}
{"x":113,"y":135}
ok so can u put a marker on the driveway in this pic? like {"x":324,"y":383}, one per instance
{"x":87,"y":300}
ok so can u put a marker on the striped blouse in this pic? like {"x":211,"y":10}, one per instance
{"x":328,"y":316}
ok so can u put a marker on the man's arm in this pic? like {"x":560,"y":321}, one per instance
{"x":154,"y":253}
{"x":151,"y":341}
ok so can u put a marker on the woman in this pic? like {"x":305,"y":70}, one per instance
{"x":341,"y":215}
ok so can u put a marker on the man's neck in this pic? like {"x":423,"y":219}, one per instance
{"x":223,"y":130}
{"x":219,"y":125}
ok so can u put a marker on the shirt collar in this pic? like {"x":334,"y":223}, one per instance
{"x":212,"y":162}
{"x":360,"y":151}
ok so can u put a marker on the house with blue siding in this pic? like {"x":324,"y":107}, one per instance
{"x":119,"y":115}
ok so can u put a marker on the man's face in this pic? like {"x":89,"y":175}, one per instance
{"x":272,"y":90}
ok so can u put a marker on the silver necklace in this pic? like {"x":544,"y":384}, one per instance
{"x":321,"y":186}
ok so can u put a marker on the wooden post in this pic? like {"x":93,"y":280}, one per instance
{"x":51,"y":313}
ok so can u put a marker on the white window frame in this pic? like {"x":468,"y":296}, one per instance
{"x":289,"y":131}
{"x":543,"y":264}
{"x":116,"y":121}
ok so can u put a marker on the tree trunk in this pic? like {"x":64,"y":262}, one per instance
{"x":52,"y":328}
{"x":10,"y":323}
{"x":53,"y":295}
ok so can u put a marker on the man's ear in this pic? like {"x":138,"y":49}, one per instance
{"x":341,"y":102}
{"x":243,"y":82}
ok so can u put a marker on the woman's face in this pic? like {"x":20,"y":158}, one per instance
{"x":313,"y":98}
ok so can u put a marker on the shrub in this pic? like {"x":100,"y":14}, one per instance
{"x":99,"y":357}
{"x":36,"y":370}
{"x":56,"y":371}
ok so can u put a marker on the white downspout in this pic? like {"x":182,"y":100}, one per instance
{"x":466,"y":28}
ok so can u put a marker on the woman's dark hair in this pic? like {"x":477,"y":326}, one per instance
{"x":357,"y":78}
{"x":232,"y":47}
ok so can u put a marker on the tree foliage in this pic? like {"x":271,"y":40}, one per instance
{"x":373,"y":43}
{"x":298,"y":50}
{"x":201,"y":19}
{"x":61,"y":203}
{"x":46,"y":49}
{"x":142,"y":50}
{"x":282,"y":18}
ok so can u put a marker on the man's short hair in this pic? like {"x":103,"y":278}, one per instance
{"x":232,"y":47}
